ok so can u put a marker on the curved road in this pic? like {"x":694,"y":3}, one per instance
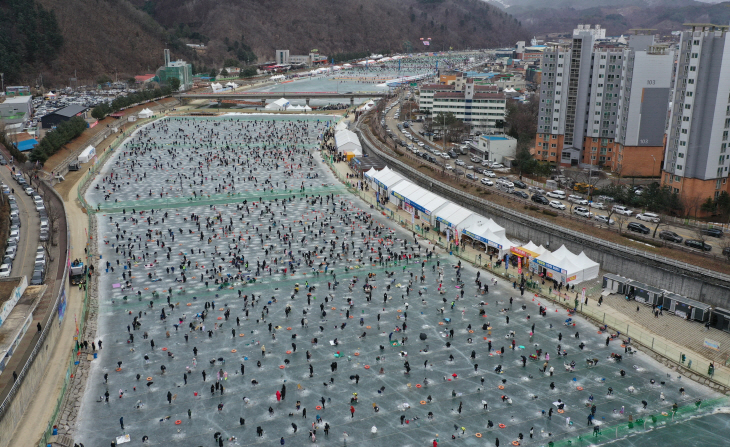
{"x":29,"y":227}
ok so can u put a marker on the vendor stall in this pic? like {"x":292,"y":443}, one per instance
{"x":644,"y":293}
{"x":495,"y":244}
{"x":686,"y":308}
{"x":615,"y":283}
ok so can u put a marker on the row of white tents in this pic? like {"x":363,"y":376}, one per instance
{"x":347,"y":142}
{"x":457,"y":222}
{"x":283,"y":104}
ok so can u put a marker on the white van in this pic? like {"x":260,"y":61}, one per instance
{"x":557,"y":194}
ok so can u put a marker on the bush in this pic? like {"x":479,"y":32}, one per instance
{"x":550,"y":213}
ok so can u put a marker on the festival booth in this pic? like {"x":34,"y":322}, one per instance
{"x":565,"y":267}
{"x":347,"y":141}
{"x":686,"y":308}
{"x":488,"y":233}
{"x":644,"y":293}
{"x":452,"y":216}
{"x":526,"y":253}
{"x":615,"y":283}
{"x":382,"y":181}
{"x":146,"y":113}
{"x":414,"y":200}
{"x":721,"y":319}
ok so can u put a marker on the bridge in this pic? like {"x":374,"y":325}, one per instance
{"x":264,"y":96}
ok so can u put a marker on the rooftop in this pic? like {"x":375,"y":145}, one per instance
{"x":70,"y":111}
{"x":18,"y":99}
{"x":461,"y":95}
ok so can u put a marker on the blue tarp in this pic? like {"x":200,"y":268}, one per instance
{"x":27,"y":145}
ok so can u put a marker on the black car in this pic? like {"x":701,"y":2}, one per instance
{"x":714,"y":232}
{"x":699,"y":245}
{"x":670,"y":236}
{"x":725,"y":251}
{"x":537,"y":198}
{"x":519,"y":184}
{"x":453,"y":154}
{"x":521,"y":194}
{"x":637,"y":227}
{"x":471,"y":176}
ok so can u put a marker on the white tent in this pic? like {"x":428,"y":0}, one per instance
{"x":454,"y":216}
{"x":369,"y":174}
{"x":347,"y":141}
{"x":564,"y":266}
{"x":216,"y":86}
{"x":280,"y":104}
{"x":232,"y":85}
{"x":146,"y":113}
{"x":277,"y":78}
{"x":386,"y":179}
{"x":482,"y":233}
{"x":534,"y":248}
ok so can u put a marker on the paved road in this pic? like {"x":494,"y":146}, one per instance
{"x":683,"y":231}
{"x":29,"y":228}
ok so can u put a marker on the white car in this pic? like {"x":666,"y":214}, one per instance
{"x":460,"y":162}
{"x":598,"y":205}
{"x":618,"y":209}
{"x":486,"y":181}
{"x":579,"y":210}
{"x":29,"y":191}
{"x":15,"y":235}
{"x":11,"y":251}
{"x":486,"y":163}
{"x":449,"y":168}
{"x":649,"y":217}
{"x":577,"y":199}
{"x":558,"y":194}
{"x":4,"y":271}
{"x":39,"y":206}
{"x":603,"y":219}
{"x":470,"y":167}
{"x":497,"y":166}
{"x":445,"y":156}
{"x":556,"y":204}
{"x":490,"y":174}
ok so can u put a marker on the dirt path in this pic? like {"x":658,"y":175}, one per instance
{"x":34,"y":421}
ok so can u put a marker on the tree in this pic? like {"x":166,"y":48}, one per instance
{"x":131,"y":82}
{"x":213,"y":73}
{"x":248,"y":72}
{"x":224,"y":73}
{"x":174,"y":84}
{"x":621,"y":221}
{"x":230,"y":62}
{"x":521,"y":119}
{"x":103,"y":79}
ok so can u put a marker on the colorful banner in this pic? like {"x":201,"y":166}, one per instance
{"x":712,"y":344}
{"x":62,"y":305}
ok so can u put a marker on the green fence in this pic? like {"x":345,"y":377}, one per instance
{"x":644,"y":424}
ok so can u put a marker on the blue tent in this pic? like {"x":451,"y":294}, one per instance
{"x":27,"y":145}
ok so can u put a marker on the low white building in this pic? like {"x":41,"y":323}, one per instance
{"x":494,"y":147}
{"x":16,"y":109}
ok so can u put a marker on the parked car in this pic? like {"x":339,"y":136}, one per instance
{"x":536,"y":190}
{"x":11,"y":251}
{"x":490,"y":174}
{"x":618,"y":209}
{"x":598,"y":205}
{"x":557,"y":204}
{"x":699,"y":245}
{"x":714,"y":232}
{"x":37,"y":278}
{"x":670,"y":236}
{"x":557,"y":194}
{"x":577,"y":199}
{"x":486,"y":181}
{"x":604,"y":219}
{"x":537,"y":198}
{"x":39,"y":206}
{"x":29,"y":191}
{"x":14,"y":235}
{"x":453,"y":154}
{"x":5,"y":270}
{"x":497,"y":166}
{"x":579,"y":210}
{"x":637,"y":227}
{"x":43,"y":236}
{"x":460,"y":162}
{"x":520,"y":184}
{"x":521,"y":194}
{"x":505,"y":183}
{"x":648,"y":217}
{"x":471,"y":176}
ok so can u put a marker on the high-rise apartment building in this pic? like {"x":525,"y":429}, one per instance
{"x":697,"y":158}
{"x":604,"y":102}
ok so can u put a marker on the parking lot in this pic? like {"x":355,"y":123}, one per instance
{"x":599,"y":212}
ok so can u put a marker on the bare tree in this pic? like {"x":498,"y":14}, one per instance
{"x":621,"y":221}
{"x":725,"y":246}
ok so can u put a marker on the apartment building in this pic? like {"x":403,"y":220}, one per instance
{"x":479,"y":105}
{"x":603,"y":102}
{"x":696,"y":158}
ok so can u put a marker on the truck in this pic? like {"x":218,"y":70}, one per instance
{"x":77,"y":273}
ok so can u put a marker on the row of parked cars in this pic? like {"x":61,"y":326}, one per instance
{"x":11,"y":250}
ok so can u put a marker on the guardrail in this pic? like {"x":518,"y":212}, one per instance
{"x":377,"y":147}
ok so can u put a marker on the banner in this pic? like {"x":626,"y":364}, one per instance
{"x":712,"y":344}
{"x":62,"y":305}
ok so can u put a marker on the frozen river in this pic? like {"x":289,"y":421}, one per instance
{"x":224,"y":236}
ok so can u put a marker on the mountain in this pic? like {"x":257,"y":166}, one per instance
{"x":122,"y":38}
{"x":617,"y":16}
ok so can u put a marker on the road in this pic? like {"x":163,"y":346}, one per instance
{"x":29,"y":227}
{"x":686,"y":232}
